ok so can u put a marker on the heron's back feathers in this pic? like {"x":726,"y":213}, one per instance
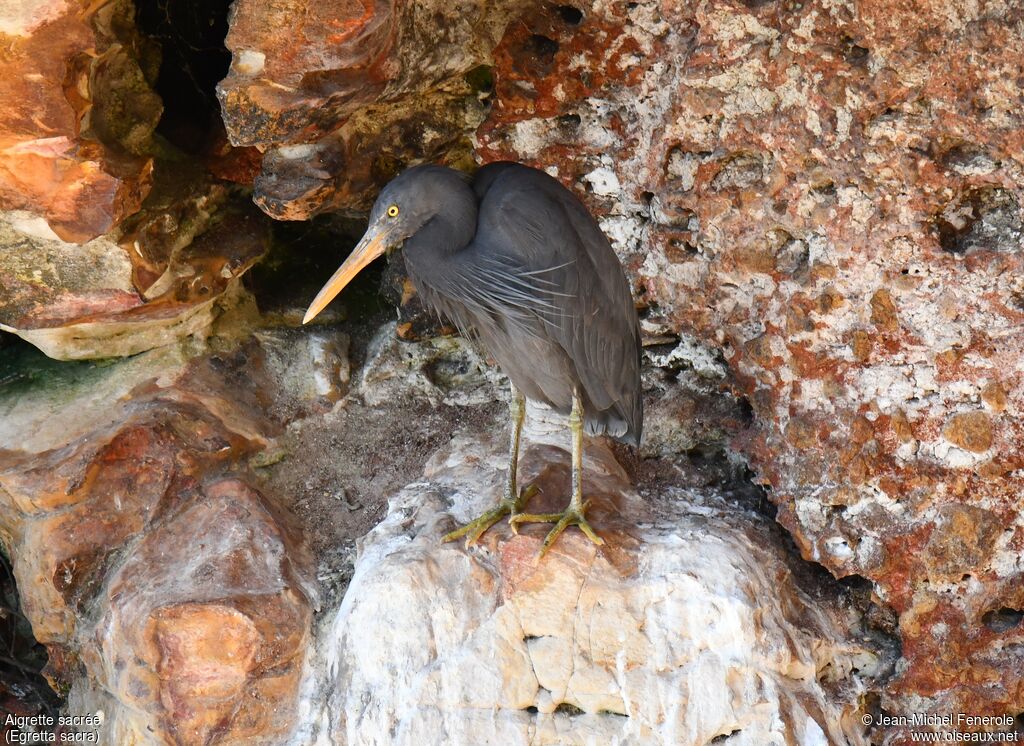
{"x":553,"y":276}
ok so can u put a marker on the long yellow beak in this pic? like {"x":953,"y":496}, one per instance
{"x":370,"y":246}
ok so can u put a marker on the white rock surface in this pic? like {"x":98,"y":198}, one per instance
{"x":444,"y":370}
{"x":685,"y":627}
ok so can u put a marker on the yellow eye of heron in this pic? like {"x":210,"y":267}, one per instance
{"x":393,"y":211}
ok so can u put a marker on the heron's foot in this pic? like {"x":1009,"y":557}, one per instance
{"x":571,"y":516}
{"x":508,"y":506}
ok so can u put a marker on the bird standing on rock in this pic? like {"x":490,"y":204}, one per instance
{"x":514,"y":260}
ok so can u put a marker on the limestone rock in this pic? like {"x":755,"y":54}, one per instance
{"x":444,"y":370}
{"x":78,"y":114}
{"x":824,"y":198}
{"x":685,"y":627}
{"x":313,"y":367}
{"x":210,"y":640}
{"x":160,"y":280}
{"x":340,"y":94}
{"x":831,"y":195}
{"x":111,"y":241}
{"x":144,"y":556}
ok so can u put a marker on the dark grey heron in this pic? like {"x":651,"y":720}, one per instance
{"x":514,"y":259}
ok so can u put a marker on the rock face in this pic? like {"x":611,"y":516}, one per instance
{"x":684,"y":628}
{"x":144,"y":555}
{"x":86,"y":301}
{"x":340,"y":94}
{"x":111,"y":241}
{"x":209,"y":643}
{"x":829,"y":193}
{"x":78,"y":114}
{"x":819,"y":205}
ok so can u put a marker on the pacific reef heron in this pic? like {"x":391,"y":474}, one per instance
{"x":515,"y":261}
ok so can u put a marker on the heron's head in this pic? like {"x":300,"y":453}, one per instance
{"x":404,"y":206}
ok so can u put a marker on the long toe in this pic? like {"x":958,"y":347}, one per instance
{"x":591,"y":534}
{"x":535,"y":518}
{"x":554,"y":533}
{"x":569,"y":517}
{"x":477,"y":527}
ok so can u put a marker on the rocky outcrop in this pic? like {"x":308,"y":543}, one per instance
{"x":78,"y":114}
{"x":111,"y":241}
{"x":145,"y":557}
{"x":819,"y":206}
{"x":685,"y":627}
{"x":207,"y":643}
{"x":830,"y":194}
{"x":340,"y":95}
{"x":145,"y":504}
{"x":157,"y":283}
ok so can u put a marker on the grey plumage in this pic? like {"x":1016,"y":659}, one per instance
{"x":514,"y":259}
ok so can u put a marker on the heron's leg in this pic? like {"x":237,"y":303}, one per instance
{"x":574,"y":515}
{"x":517,"y":413}
{"x":513,"y":500}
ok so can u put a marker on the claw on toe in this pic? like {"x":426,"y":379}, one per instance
{"x":570,"y":517}
{"x":477,"y":527}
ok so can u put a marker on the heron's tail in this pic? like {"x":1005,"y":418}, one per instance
{"x":623,"y":421}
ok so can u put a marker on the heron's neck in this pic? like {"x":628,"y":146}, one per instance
{"x":437,"y":243}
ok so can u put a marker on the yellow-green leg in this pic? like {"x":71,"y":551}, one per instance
{"x":574,"y":515}
{"x":513,"y":500}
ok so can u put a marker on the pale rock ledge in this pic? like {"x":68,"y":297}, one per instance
{"x":687,"y":627}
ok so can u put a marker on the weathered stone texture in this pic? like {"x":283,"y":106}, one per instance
{"x":341,"y":94}
{"x":829,"y":192}
{"x":143,"y":554}
{"x":826,"y":194}
{"x":78,"y":114}
{"x":683,"y":629}
{"x":98,"y":215}
{"x":207,"y":643}
{"x":157,"y":279}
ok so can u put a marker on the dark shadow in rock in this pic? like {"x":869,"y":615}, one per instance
{"x":983,"y":219}
{"x":481,"y":80}
{"x":191,"y":37}
{"x":1003,"y":620}
{"x":302,"y":256}
{"x":23,"y":689}
{"x":570,"y":14}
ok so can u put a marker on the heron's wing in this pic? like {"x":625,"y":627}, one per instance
{"x":540,"y":262}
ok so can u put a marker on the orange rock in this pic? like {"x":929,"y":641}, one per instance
{"x":860,"y":343}
{"x":344,"y":98}
{"x":180,"y":256}
{"x":208,"y":641}
{"x":99,"y":258}
{"x":75,"y":156}
{"x":994,"y":395}
{"x":883,"y":310}
{"x":801,"y":433}
{"x":885,"y":194}
{"x":901,"y":426}
{"x":206,"y":654}
{"x":142,"y":554}
{"x":971,"y":431}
